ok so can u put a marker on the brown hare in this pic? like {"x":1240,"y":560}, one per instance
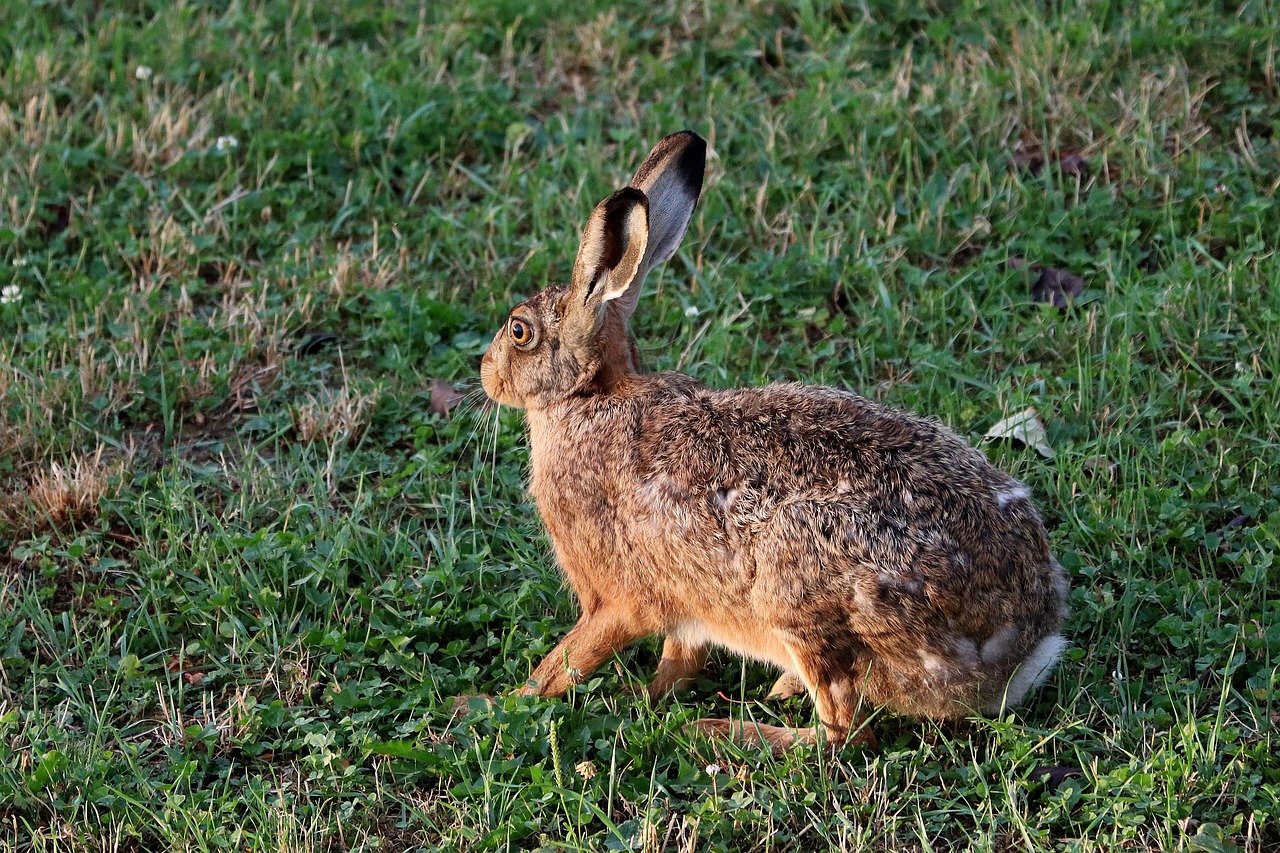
{"x":871,"y":554}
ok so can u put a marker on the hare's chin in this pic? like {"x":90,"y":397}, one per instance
{"x":498,"y":393}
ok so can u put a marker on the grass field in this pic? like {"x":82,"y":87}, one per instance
{"x":251,"y":545}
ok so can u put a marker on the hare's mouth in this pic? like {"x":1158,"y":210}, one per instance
{"x":497,"y":389}
{"x":499,"y":395}
{"x":493,"y":386}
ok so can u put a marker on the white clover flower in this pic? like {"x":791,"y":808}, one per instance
{"x":691,"y":311}
{"x":226,"y":143}
{"x":712,"y":769}
{"x":10,"y":293}
{"x":143,"y":72}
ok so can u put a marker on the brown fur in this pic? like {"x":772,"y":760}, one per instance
{"x":870,"y":553}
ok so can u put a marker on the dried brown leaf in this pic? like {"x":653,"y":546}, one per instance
{"x":1057,"y":287}
{"x":1053,"y":777}
{"x":443,"y":397}
{"x":1100,"y":466}
{"x":1067,"y":161}
{"x":1054,"y":286}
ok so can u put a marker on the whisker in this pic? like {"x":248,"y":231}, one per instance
{"x":468,"y":406}
{"x":493,"y":461}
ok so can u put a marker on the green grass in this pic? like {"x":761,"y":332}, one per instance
{"x":246,"y":567}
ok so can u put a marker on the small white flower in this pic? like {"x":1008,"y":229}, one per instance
{"x":691,"y":311}
{"x":226,"y":143}
{"x":712,"y":769}
{"x":19,"y":262}
{"x":10,"y":293}
{"x":143,"y":72}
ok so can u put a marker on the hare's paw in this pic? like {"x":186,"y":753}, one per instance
{"x":778,"y":738}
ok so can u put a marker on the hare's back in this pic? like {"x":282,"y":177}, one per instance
{"x":855,"y":488}
{"x":813,"y":441}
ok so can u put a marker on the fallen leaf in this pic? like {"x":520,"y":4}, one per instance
{"x":1068,"y":162}
{"x":1057,"y":287}
{"x":1028,"y":161}
{"x":443,"y":397}
{"x":314,"y":342}
{"x":471,"y":702}
{"x":1024,"y":427}
{"x":193,"y":678}
{"x":1100,"y":466}
{"x":1054,"y":286}
{"x":1053,"y":777}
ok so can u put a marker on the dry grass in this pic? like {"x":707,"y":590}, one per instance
{"x":62,"y":494}
{"x":335,"y":416}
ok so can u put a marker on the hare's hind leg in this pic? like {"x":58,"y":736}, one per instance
{"x":840,"y":707}
{"x":681,"y":661}
{"x":591,"y":642}
{"x":836,"y":681}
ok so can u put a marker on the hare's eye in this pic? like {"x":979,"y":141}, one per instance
{"x":520,"y":331}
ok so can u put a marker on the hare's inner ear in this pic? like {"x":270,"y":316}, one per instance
{"x":613,"y":247}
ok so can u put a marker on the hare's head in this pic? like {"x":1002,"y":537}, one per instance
{"x":570,"y":339}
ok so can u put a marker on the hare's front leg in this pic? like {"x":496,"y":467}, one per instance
{"x":591,"y":642}
{"x":681,"y":661}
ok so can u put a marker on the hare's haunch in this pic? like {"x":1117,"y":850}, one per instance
{"x":871,"y":554}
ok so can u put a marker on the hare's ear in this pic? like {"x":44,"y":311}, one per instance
{"x":609,"y":259}
{"x":671,"y":178}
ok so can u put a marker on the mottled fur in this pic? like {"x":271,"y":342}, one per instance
{"x":869,"y":553}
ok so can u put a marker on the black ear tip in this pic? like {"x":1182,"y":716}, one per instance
{"x":691,"y":164}
{"x":682,"y":156}
{"x":689,"y":137}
